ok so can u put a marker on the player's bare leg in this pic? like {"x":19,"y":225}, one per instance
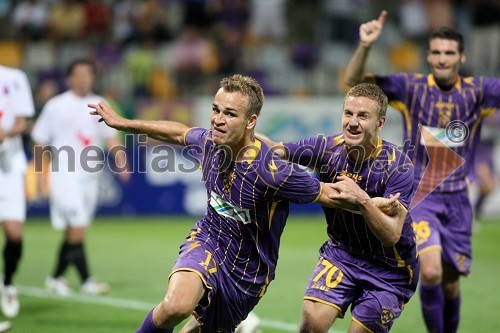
{"x":184,"y":292}
{"x":317,"y":317}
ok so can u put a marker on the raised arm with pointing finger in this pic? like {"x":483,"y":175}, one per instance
{"x":369,"y":32}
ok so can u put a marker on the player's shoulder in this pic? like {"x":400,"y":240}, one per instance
{"x":471,"y":81}
{"x":479,"y":82}
{"x":198,"y":135}
{"x":390,"y":152}
{"x":4,"y":70}
{"x":335,"y":141}
{"x":262,"y":152}
{"x":58,"y":103}
{"x":97,"y":98}
{"x":322,"y":141}
{"x":403,"y":76}
{"x":60,"y":98}
{"x":268,"y":164}
{"x":12,"y":76}
{"x":416,"y":78}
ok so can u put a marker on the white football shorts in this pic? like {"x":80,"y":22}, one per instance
{"x":12,"y":196}
{"x":73,"y":199}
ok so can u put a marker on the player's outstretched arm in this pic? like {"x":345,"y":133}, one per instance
{"x":369,"y":32}
{"x":168,"y":131}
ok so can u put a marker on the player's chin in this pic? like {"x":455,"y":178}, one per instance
{"x":218,"y":140}
{"x":350,"y":142}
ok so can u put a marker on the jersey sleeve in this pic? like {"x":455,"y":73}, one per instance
{"x":23,"y":105}
{"x":394,"y":86}
{"x":42,"y":130}
{"x":491,"y":93}
{"x":306,"y":152}
{"x":196,"y":139}
{"x":401,"y":181}
{"x":291,"y":182}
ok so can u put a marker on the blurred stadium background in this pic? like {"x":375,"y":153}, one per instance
{"x":163,"y":59}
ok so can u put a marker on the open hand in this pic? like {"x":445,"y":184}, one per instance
{"x":107,"y":114}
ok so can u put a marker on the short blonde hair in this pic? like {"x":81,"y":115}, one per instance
{"x":248,"y":87}
{"x":373,"y":92}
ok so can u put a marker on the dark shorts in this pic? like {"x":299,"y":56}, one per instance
{"x":444,"y":220}
{"x":376,"y":293}
{"x":225,"y":305}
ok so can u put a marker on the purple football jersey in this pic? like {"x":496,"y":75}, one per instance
{"x":387,"y":171}
{"x":454,"y":117}
{"x":248,"y":204}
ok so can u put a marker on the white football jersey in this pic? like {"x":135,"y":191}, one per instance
{"x":16,"y":100}
{"x":76,"y":138}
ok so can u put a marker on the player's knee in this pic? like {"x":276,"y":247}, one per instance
{"x":487,"y":188}
{"x":451,"y":289}
{"x":431,"y":274}
{"x":174,"y":310}
{"x":310,"y":324}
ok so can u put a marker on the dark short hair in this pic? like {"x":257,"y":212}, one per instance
{"x":447,"y":33}
{"x":248,"y":87}
{"x":80,"y":61}
{"x":371,"y":91}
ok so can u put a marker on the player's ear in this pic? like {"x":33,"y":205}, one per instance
{"x":252,"y":121}
{"x":381,"y":123}
{"x":462,"y":58}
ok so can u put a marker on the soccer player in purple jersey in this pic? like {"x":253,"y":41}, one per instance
{"x":230,"y":256}
{"x":451,"y":108}
{"x":370,"y":259}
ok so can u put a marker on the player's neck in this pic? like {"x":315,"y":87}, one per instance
{"x":446,"y":85}
{"x":245,"y":150}
{"x":359,"y":154}
{"x":80,"y":93}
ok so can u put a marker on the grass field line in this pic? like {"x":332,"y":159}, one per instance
{"x":134,"y":305}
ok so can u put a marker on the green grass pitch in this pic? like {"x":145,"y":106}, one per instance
{"x":135,"y":255}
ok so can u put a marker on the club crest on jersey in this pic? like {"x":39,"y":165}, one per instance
{"x":225,"y":208}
